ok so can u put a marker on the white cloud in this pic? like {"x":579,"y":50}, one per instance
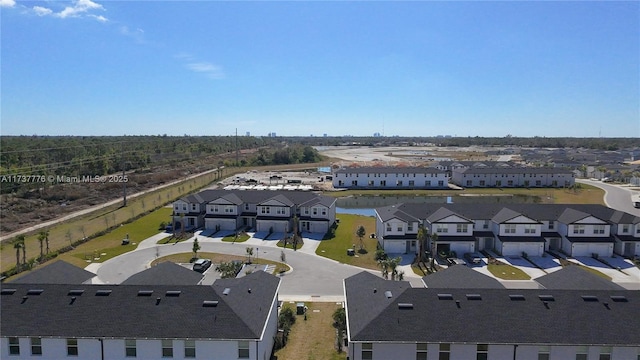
{"x":210,"y":70}
{"x":42,"y":11}
{"x":137,"y":34}
{"x":7,"y":3}
{"x":78,"y":8}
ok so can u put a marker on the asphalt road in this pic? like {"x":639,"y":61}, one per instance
{"x":313,"y":277}
{"x":617,"y":196}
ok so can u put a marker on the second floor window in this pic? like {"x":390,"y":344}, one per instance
{"x":72,"y":347}
{"x":529,"y":229}
{"x":510,"y":229}
{"x":130,"y":348}
{"x":14,"y":346}
{"x":461,"y":228}
{"x":167,"y":348}
{"x":36,"y":346}
{"x":598,"y":229}
{"x":578,"y":229}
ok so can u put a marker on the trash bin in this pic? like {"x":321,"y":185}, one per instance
{"x":300,"y":309}
{"x":351,"y":252}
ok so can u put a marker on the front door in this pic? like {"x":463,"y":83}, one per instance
{"x":628,"y":249}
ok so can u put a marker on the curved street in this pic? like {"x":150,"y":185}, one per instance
{"x":616,"y":196}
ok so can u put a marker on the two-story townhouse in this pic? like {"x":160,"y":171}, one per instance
{"x":392,"y":320}
{"x":265,"y":210}
{"x":189,"y":212}
{"x":517,"y":234}
{"x":513,"y":177}
{"x":232,"y":319}
{"x":627,"y":234}
{"x":390,"y":178}
{"x":584,"y":234}
{"x":454,"y":232}
{"x":514,"y":229}
{"x":397,"y":231}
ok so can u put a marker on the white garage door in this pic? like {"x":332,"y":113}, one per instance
{"x":225,"y":224}
{"x":278,"y":226}
{"x":394,"y":246}
{"x":532,"y":249}
{"x":581,"y":249}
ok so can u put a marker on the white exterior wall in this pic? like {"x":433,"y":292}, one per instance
{"x":225,"y":224}
{"x":395,"y":246}
{"x":180,"y":207}
{"x":271,"y":329}
{"x":517,"y":248}
{"x":220,"y":209}
{"x":586,"y":249}
{"x":278,"y":225}
{"x":517,"y":180}
{"x":390,"y":179}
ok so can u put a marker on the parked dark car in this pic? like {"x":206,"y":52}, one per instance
{"x":455,"y":261}
{"x":473,"y":258}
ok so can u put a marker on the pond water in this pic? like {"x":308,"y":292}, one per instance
{"x":365,"y":205}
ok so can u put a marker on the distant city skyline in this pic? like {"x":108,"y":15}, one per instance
{"x":553,"y":69}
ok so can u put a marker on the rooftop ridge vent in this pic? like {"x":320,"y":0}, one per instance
{"x":445,"y":297}
{"x":545,"y":297}
{"x":145,"y":292}
{"x":173,"y":293}
{"x":8,"y":291}
{"x":75,"y":292}
{"x":210,"y":303}
{"x":619,"y":298}
{"x":388,"y":294}
{"x":474,"y":297}
{"x":516,"y":297}
{"x":103,"y":292}
{"x":226,"y":291}
{"x":35,"y":291}
{"x":590,"y":298}
{"x":405,"y":306}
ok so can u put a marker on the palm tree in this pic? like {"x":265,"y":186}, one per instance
{"x":18,"y":243}
{"x":422,"y":236}
{"x":434,"y":249}
{"x":196,"y":248}
{"x":249,"y":250}
{"x":24,"y":250}
{"x":340,"y":324}
{"x":41,"y":236}
{"x":384,"y":267}
{"x":46,"y":240}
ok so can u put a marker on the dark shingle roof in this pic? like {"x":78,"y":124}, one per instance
{"x":165,"y":273}
{"x":460,"y":277}
{"x":389,"y":170}
{"x":59,"y":272}
{"x":575,"y":278}
{"x":123,"y":313}
{"x":514,"y":170}
{"x":493,"y":318}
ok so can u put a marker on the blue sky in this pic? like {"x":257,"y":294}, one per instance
{"x":88,"y":67}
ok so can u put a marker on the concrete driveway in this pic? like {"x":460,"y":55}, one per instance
{"x":524,"y":265}
{"x":628,"y":276}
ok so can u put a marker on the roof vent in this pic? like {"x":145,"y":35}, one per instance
{"x":173,"y":293}
{"x":210,"y":303}
{"x":103,"y":292}
{"x":145,"y":292}
{"x":388,"y":294}
{"x":445,"y":297}
{"x":8,"y":291}
{"x":35,"y":291}
{"x":474,"y":297}
{"x":73,"y":299}
{"x":590,"y":298}
{"x":249,"y":290}
{"x":516,"y":297}
{"x":75,"y":292}
{"x":619,"y":298}
{"x":375,"y":290}
{"x":226,"y":291}
{"x":545,"y":297}
{"x":405,"y":306}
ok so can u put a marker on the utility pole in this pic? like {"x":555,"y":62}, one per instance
{"x":124,"y":183}
{"x":237,"y":154}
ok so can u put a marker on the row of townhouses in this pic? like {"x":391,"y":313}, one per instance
{"x":439,"y":178}
{"x":258,"y":210}
{"x":513,"y":229}
{"x":160,"y":313}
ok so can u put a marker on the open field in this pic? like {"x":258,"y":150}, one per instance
{"x":314,"y":338}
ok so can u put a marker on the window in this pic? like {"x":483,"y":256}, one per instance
{"x":605,"y":353}
{"x":510,"y":229}
{"x":193,"y":207}
{"x":411,"y":182}
{"x":130,"y":348}
{"x":265,"y":210}
{"x":551,"y":225}
{"x":243,"y":349}
{"x":399,"y":227}
{"x":625,"y":228}
{"x":509,"y":182}
{"x":486,"y":224}
{"x":461,"y":228}
{"x":189,"y":348}
{"x":482,"y":351}
{"x":441,"y":183}
{"x":410,"y":227}
{"x":324,"y":211}
{"x":370,"y":183}
{"x":246,"y":206}
{"x":543,"y":353}
{"x":529,"y":229}
{"x":383,"y":182}
{"x":445,"y":351}
{"x":427,"y":183}
{"x":498,"y":183}
{"x":421,"y":351}
{"x":167,"y":348}
{"x":315,"y":211}
{"x":538,"y":183}
{"x":598,"y":229}
{"x":399,"y":183}
{"x":367,"y":351}
{"x":72,"y":347}
{"x":354,"y":183}
{"x":36,"y":346}
{"x":389,"y":227}
{"x":442,"y":228}
{"x":14,"y":346}
{"x":578,"y":229}
{"x":469,"y":183}
{"x":184,"y":207}
{"x":582,"y":356}
{"x":216,"y":208}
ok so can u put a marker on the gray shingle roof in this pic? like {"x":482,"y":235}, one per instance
{"x":125,"y":314}
{"x":514,"y":170}
{"x":443,"y":213}
{"x":460,"y":277}
{"x":575,"y":278}
{"x":58,"y":272}
{"x":389,"y":170}
{"x":165,"y":273}
{"x":494,"y":318}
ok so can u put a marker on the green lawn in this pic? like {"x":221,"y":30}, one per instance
{"x":232,"y":238}
{"x":217,"y":258}
{"x":507,"y":272}
{"x":346,"y":238}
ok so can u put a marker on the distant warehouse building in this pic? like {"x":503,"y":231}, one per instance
{"x":512,"y":177}
{"x":390,"y":178}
